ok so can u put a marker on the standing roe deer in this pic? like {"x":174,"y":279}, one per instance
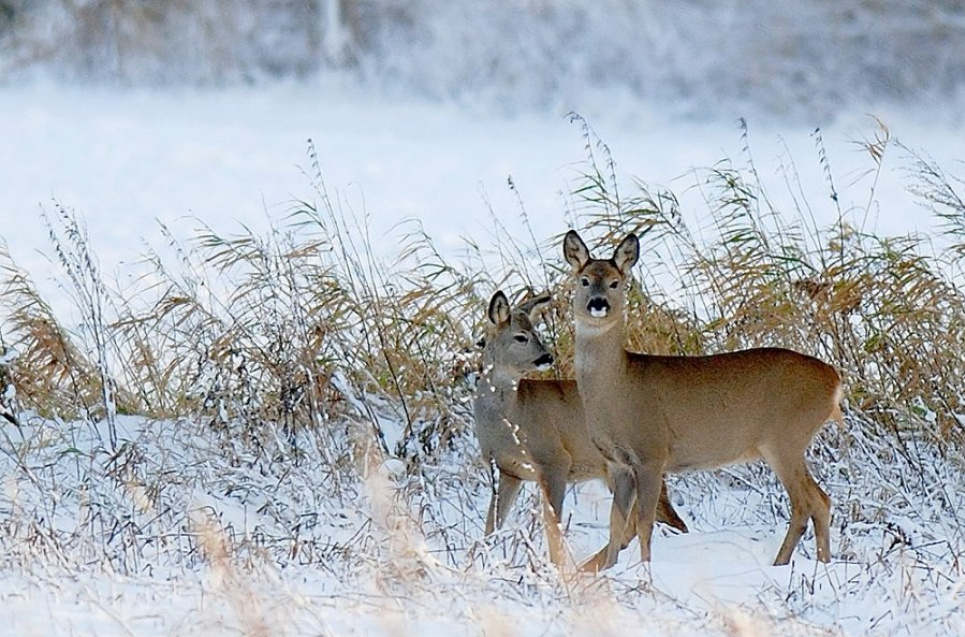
{"x":534,"y":429}
{"x":654,"y":414}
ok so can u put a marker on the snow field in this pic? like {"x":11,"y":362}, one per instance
{"x":183,"y":536}
{"x":186,"y":529}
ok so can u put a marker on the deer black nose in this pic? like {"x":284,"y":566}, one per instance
{"x":543,"y":361}
{"x":598,"y":307}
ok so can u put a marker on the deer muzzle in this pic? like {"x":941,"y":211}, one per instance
{"x":598,"y":307}
{"x":544,"y":362}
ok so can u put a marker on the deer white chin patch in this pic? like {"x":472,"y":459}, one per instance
{"x":598,"y":312}
{"x":543,"y":367}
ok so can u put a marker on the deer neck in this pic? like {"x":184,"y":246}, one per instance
{"x":496,"y":386}
{"x":599,"y":349}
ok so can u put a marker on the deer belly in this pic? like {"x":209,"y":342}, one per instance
{"x":684,"y":460}
{"x":582,"y":472}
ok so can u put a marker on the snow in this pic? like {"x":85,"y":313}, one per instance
{"x":125,"y":160}
{"x":313,"y":551}
{"x":192,"y":543}
{"x":787,"y":59}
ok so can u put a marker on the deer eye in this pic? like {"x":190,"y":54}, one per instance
{"x":585,"y":282}
{"x":614,"y":284}
{"x":521,"y":338}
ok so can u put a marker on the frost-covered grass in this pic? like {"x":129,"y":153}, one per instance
{"x":183,"y":533}
{"x":269,"y":433}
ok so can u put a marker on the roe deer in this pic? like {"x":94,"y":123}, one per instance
{"x":534,"y":429}
{"x":651,"y":415}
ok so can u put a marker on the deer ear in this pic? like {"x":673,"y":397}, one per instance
{"x":627,"y":253}
{"x":532,"y":307}
{"x":574,"y":250}
{"x":498,"y":309}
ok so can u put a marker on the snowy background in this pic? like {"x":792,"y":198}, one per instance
{"x":137,"y":113}
{"x":698,"y":57}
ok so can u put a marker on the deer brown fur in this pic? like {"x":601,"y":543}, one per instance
{"x":651,"y":415}
{"x":534,"y":430}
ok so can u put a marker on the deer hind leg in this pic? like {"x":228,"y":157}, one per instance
{"x":822,"y":525}
{"x":821,"y":517}
{"x":501,"y":501}
{"x":667,"y":514}
{"x":808,"y":502}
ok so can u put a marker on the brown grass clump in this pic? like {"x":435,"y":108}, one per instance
{"x":303,"y":324}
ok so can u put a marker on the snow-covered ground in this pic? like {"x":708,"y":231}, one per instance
{"x":178,"y":536}
{"x":183,"y":533}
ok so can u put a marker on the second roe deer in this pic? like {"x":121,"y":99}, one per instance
{"x":651,"y":415}
{"x":533,"y":429}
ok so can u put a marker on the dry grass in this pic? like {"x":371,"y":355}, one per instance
{"x":239,"y":331}
{"x":300,"y":358}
